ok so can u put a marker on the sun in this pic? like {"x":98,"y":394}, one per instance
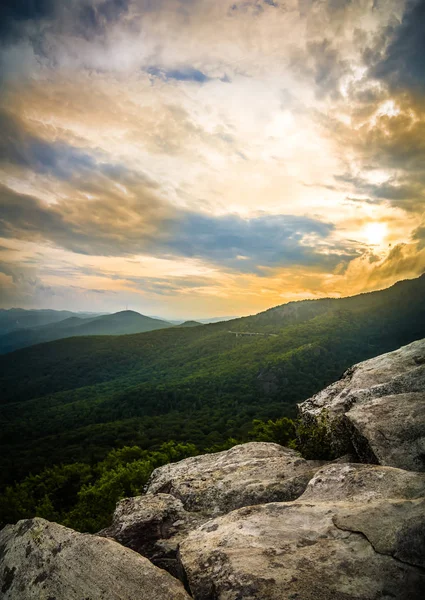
{"x":375,"y":232}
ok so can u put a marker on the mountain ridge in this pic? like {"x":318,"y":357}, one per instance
{"x":120,"y":323}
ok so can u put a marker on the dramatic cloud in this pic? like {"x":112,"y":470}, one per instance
{"x":201,"y":157}
{"x":402,"y":64}
{"x":116,"y":225}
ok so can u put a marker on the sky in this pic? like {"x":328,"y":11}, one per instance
{"x":200,"y":158}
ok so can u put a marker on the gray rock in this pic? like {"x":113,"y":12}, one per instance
{"x":300,"y":550}
{"x":394,"y":430}
{"x":393,"y":527}
{"x":45,"y":561}
{"x":153,"y":525}
{"x":247,"y":474}
{"x":377,"y":409}
{"x":363,"y":483}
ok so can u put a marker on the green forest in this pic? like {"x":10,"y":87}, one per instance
{"x":85,"y":420}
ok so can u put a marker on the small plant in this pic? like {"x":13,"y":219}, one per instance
{"x":282,"y":431}
{"x":314,"y":440}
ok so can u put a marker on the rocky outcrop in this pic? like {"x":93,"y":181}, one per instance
{"x":309,"y":551}
{"x":356,"y":533}
{"x":42,"y":560}
{"x":182,"y":496}
{"x":258,"y":522}
{"x":247,"y":474}
{"x":377,"y":409}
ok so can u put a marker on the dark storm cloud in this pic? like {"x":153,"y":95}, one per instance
{"x":403,"y":65}
{"x":26,"y":18}
{"x":145,"y":224}
{"x":15,"y":14}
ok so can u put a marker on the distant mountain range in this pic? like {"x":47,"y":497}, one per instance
{"x":12,"y":319}
{"x":64,"y":324}
{"x":20,"y":328}
{"x":75,"y":399}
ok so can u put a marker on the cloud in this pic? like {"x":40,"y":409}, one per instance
{"x":35,"y":18}
{"x":419,"y":236}
{"x":407,"y":193}
{"x":321,"y":63}
{"x":16,"y":14}
{"x":402,"y":65}
{"x":227,"y":135}
{"x":20,"y":147}
{"x":144,"y":223}
{"x":264,"y":241}
{"x":94,"y":18}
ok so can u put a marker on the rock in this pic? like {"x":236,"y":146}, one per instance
{"x":377,"y":409}
{"x":394,"y":527}
{"x":306,"y":551}
{"x":43,"y":560}
{"x":199,"y":487}
{"x":153,"y":525}
{"x":363,"y":483}
{"x":258,"y":522}
{"x":394,"y":430}
{"x":246,"y":474}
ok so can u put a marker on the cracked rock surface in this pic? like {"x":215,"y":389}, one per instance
{"x":377,"y":409}
{"x":45,"y":561}
{"x":301,"y":550}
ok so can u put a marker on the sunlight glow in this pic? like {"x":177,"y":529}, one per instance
{"x":375,"y":232}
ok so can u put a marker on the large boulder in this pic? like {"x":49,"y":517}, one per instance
{"x":43,"y":560}
{"x":377,"y":409}
{"x":309,"y":551}
{"x":252,"y":473}
{"x":182,"y":496}
{"x":153,"y":525}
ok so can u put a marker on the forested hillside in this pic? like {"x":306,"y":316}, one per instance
{"x":76,"y":399}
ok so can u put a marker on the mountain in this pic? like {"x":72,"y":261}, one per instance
{"x":76,"y":399}
{"x":119,"y":323}
{"x":189,"y":324}
{"x":12,"y":319}
{"x":124,"y":322}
